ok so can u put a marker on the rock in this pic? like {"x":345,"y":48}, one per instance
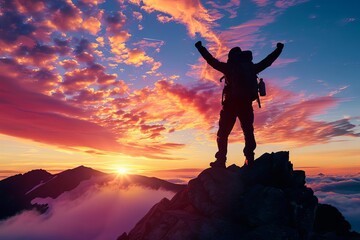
{"x":298,"y":178}
{"x":263,"y":205}
{"x":329,"y":219}
{"x":212,"y":192}
{"x":268,"y":200}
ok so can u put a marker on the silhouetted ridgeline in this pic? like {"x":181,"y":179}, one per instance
{"x":17,"y":192}
{"x":266,"y":201}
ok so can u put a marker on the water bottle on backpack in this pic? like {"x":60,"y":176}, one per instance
{"x":262,"y":89}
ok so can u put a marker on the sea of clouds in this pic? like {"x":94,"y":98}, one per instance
{"x":100,"y":212}
{"x":342,"y":192}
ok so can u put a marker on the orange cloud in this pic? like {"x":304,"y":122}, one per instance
{"x":137,"y":57}
{"x":69,"y":64}
{"x":117,"y":43}
{"x":164,"y":19}
{"x":92,"y":24}
{"x":190,"y":13}
{"x":67,"y":17}
{"x":38,"y":55}
{"x":138,"y":15}
{"x":92,"y":2}
{"x":29,"y":6}
{"x":100,"y":40}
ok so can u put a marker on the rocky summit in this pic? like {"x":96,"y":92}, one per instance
{"x":268,"y":200}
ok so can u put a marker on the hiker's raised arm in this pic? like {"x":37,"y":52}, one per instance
{"x":220,"y":66}
{"x":266,"y":62}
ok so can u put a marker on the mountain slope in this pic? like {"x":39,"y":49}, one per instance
{"x":14,"y":189}
{"x":17,"y":192}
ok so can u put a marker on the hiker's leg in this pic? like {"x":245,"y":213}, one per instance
{"x":246,"y":117}
{"x":226,"y":124}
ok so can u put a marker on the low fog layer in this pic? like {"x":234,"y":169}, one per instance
{"x":102,"y":212}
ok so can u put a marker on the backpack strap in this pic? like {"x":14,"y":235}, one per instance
{"x":223,"y":91}
{"x":257,"y":95}
{"x":258,"y":101}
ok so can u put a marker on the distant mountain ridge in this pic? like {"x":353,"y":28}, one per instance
{"x":17,"y":192}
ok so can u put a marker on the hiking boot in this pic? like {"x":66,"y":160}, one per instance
{"x":218,"y":164}
{"x":248,"y":162}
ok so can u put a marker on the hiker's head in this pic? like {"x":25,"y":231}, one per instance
{"x":234,"y":53}
{"x":246,"y":56}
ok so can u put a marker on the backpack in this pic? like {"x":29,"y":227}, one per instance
{"x":241,"y":82}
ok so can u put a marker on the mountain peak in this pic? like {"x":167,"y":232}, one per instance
{"x":268,"y":200}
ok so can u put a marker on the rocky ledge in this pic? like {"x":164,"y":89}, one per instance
{"x":268,"y":200}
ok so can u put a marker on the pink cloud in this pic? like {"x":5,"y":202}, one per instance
{"x":78,"y":79}
{"x":138,"y":15}
{"x":280,"y":62}
{"x":39,"y":55}
{"x":31,"y":6}
{"x":38,"y":80}
{"x":150,"y":43}
{"x":69,"y":64}
{"x":288,"y":3}
{"x":44,"y":119}
{"x":292,"y":121}
{"x":261,"y":3}
{"x":247,"y":34}
{"x":230,"y":7}
{"x":115,"y":23}
{"x":66,"y":16}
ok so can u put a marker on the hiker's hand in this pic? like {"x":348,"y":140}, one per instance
{"x":198,"y":44}
{"x":280,"y":45}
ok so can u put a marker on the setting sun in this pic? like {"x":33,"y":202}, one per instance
{"x":122,"y":170}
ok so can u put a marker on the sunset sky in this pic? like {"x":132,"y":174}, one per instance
{"x":118,"y":84}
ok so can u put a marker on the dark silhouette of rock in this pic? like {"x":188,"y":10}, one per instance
{"x":150,"y":182}
{"x":331,"y":224}
{"x":14,"y":189}
{"x":267,"y":200}
{"x":64,"y":181}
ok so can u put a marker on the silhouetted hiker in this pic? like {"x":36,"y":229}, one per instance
{"x":239,"y":95}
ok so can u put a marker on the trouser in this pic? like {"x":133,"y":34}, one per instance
{"x":228,"y":115}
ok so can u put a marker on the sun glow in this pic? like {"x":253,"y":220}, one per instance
{"x":122,"y":170}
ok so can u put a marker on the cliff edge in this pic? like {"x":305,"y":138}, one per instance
{"x":268,"y":200}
